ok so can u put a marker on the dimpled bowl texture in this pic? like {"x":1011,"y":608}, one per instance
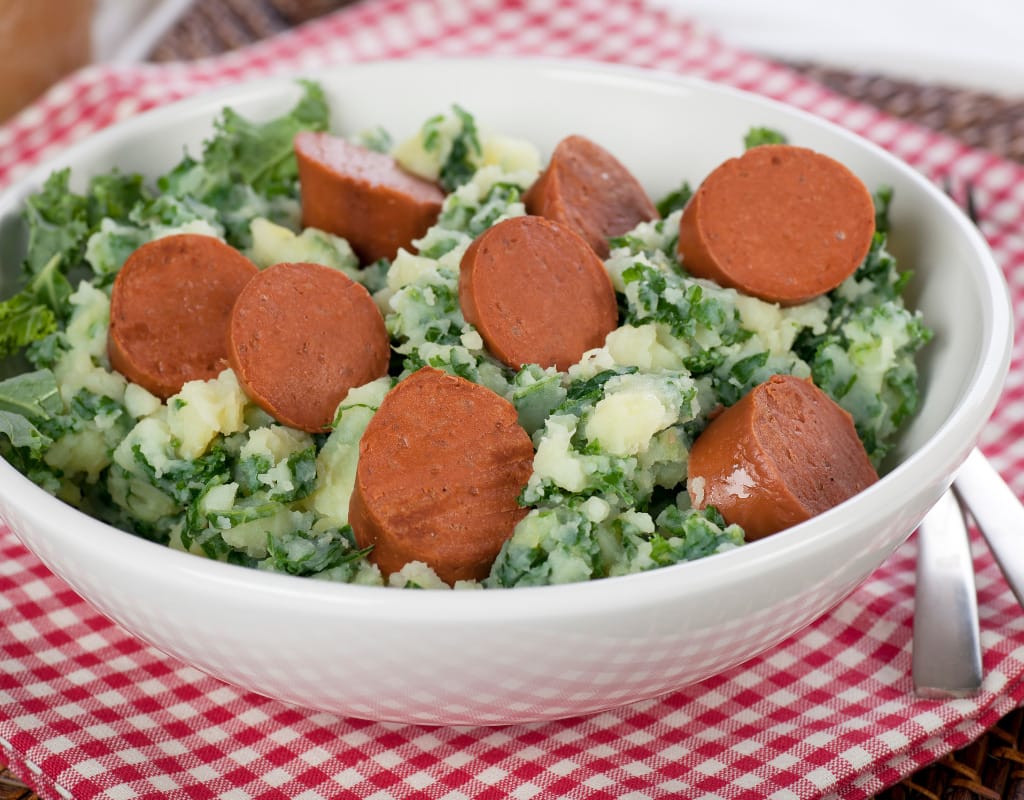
{"x":507,"y":656}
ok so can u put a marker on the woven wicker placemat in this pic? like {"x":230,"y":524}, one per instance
{"x":979,"y":119}
{"x":991,"y":768}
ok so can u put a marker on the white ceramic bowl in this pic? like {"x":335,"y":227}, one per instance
{"x":540,"y":653}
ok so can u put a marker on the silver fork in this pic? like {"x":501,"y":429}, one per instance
{"x":996,"y":510}
{"x":998,"y":514}
{"x":946,"y":656}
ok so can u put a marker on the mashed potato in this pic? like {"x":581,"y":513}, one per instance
{"x":208,"y":472}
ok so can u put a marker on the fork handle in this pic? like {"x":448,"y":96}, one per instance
{"x":998,"y":513}
{"x":946,"y":656}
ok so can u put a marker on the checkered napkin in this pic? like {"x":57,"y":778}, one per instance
{"x":87,"y":711}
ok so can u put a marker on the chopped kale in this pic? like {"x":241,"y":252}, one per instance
{"x":758,"y":136}
{"x":460,"y":163}
{"x":261,"y":154}
{"x":675,"y":200}
{"x":302,"y":552}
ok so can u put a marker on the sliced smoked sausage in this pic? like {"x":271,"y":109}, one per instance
{"x":169,"y":311}
{"x":587,"y":188}
{"x":781,"y":223}
{"x":440,"y":468}
{"x":536,"y":292}
{"x":781,"y":455}
{"x":363,"y":196}
{"x":301,"y":335}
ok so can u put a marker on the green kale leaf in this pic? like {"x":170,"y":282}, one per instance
{"x":691,"y":534}
{"x":675,"y":200}
{"x":27,"y":403}
{"x":182,"y":480}
{"x":882,"y":199}
{"x":583,"y":394}
{"x":33,"y":395}
{"x":58,"y":223}
{"x":248,"y":169}
{"x":758,"y":136}
{"x":23,"y":321}
{"x":302,"y":552}
{"x":261,"y":154}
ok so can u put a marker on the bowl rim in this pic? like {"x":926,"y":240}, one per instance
{"x":948,"y":444}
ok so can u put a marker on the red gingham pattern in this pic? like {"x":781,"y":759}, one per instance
{"x":87,"y":711}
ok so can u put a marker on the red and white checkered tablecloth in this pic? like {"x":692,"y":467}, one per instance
{"x":87,"y":711}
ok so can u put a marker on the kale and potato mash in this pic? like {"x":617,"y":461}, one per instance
{"x":209,"y":471}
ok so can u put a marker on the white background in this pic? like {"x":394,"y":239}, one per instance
{"x":971,"y":43}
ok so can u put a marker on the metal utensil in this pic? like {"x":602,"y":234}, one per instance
{"x":946,"y":648}
{"x":998,"y":513}
{"x":947,"y":643}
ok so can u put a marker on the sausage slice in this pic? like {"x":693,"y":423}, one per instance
{"x":536,"y":292}
{"x":586,"y":188}
{"x":781,"y":223}
{"x":441,"y":465}
{"x":169,"y":311}
{"x":301,"y":335}
{"x":779,"y":456}
{"x":363,"y":196}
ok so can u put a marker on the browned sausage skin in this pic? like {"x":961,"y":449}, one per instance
{"x":781,"y":223}
{"x":301,"y":335}
{"x":363,"y":196}
{"x":781,"y":455}
{"x":537,"y":293}
{"x":169,"y":311}
{"x":441,"y":466}
{"x":586,"y":188}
